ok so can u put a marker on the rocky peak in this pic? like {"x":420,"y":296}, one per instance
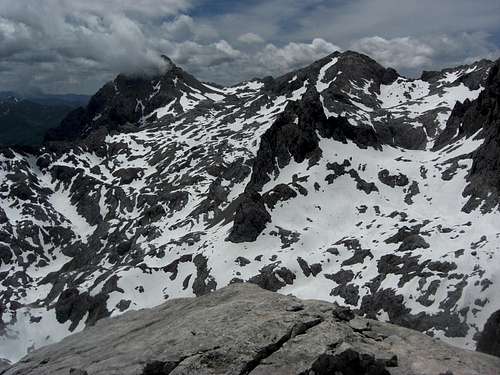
{"x":360,"y":66}
{"x":132,"y":99}
{"x":343,"y":68}
{"x":472,"y":75}
{"x":168,"y":61}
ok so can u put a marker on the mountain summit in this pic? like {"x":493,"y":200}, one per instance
{"x":342,"y":181}
{"x":135,"y":99}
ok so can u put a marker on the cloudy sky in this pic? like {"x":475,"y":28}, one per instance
{"x":76,"y":45}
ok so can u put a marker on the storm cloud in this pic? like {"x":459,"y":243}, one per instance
{"x":76,"y":46}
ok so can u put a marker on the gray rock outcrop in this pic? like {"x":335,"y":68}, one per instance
{"x":4,"y":364}
{"x":242,"y":329}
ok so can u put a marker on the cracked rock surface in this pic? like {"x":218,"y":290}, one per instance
{"x":243,"y":329}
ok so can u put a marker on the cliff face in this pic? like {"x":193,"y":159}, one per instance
{"x":242,"y":329}
{"x":480,"y":117}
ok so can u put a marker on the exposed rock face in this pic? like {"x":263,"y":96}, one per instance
{"x":4,"y":365}
{"x":250,"y":219}
{"x":483,"y":116}
{"x":489,"y":338}
{"x":242,"y":329}
{"x":484,"y":176}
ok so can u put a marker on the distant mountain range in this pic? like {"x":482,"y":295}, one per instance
{"x":24,"y":119}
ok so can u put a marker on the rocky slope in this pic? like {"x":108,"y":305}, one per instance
{"x":242,"y":329}
{"x":342,"y":181}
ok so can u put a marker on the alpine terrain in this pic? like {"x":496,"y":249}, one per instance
{"x":342,"y":181}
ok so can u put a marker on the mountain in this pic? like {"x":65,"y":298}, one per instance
{"x":223,"y":333}
{"x":136,"y":99}
{"x":25,"y":119}
{"x":73,"y":100}
{"x":7,"y":95}
{"x":40,"y":97}
{"x":342,"y":181}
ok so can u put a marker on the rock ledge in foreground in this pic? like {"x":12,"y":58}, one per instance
{"x":242,"y":329}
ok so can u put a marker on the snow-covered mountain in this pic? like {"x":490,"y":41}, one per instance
{"x":342,"y":181}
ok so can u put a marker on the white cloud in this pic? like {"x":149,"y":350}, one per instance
{"x":77,"y":45}
{"x":270,"y":60}
{"x":195,"y":55}
{"x":100,"y":8}
{"x":397,"y":52}
{"x":293,"y":55}
{"x":45,"y":39}
{"x":184,"y":27}
{"x":250,"y":38}
{"x":227,"y":49}
{"x":414,"y":54}
{"x":14,"y":37}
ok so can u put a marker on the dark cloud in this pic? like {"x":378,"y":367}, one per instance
{"x":66,"y":45}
